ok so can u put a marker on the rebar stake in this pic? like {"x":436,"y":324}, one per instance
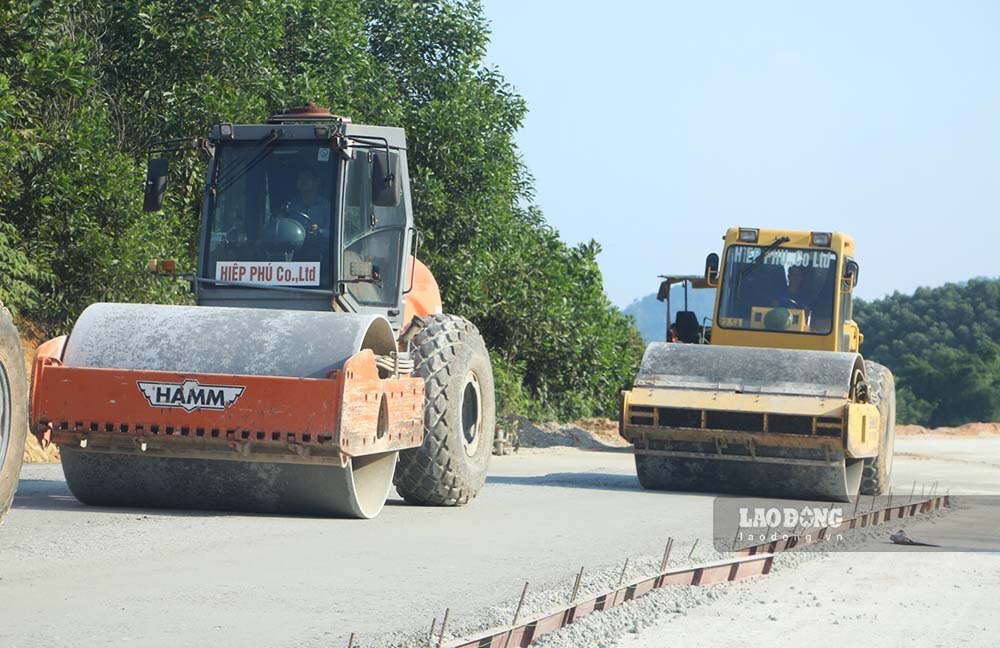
{"x":520,"y":603}
{"x":621,"y":578}
{"x":576,"y":587}
{"x":517,"y":613}
{"x":735,"y":537}
{"x":444,"y":624}
{"x":666,"y":554}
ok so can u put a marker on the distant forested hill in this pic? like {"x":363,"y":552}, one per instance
{"x":651,"y":315}
{"x":942,"y":344}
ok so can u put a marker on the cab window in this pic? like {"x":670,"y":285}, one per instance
{"x":783,"y":289}
{"x":269,"y":221}
{"x":372,"y":238}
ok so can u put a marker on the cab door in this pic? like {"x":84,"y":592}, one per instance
{"x":372,"y":243}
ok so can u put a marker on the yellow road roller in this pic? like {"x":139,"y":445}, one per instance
{"x":771,"y":397}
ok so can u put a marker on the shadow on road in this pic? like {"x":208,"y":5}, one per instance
{"x":45,"y":494}
{"x":52,"y":495}
{"x":602,"y":481}
{"x":593,"y":446}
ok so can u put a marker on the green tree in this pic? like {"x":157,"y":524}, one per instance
{"x":940,"y":342}
{"x":87,"y":87}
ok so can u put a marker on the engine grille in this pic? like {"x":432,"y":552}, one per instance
{"x":733,"y":421}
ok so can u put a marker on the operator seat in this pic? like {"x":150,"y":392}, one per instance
{"x":687,"y":327}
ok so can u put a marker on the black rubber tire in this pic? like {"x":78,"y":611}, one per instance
{"x":13,"y":410}
{"x":882,"y":388}
{"x":448,"y":353}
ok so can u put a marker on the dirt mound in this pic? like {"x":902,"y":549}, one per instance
{"x":586,"y":434}
{"x":33,"y":452}
{"x":600,"y":426}
{"x":969,"y":429}
{"x":30,"y":339}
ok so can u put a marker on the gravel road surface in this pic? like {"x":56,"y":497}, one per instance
{"x":72,"y":575}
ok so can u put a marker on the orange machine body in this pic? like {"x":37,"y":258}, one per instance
{"x":424,"y":298}
{"x":350,"y":413}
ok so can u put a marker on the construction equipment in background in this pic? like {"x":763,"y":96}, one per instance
{"x":776,"y":400}
{"x":13,"y":409}
{"x":317,"y":356}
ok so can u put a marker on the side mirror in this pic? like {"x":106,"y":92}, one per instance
{"x":663,"y":292}
{"x":386,"y":181}
{"x":851,"y":271}
{"x":712,"y":269}
{"x":156,"y":185}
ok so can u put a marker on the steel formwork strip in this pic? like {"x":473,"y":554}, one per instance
{"x":750,"y":561}
{"x":704,"y":574}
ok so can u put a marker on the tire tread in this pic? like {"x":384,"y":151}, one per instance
{"x":433,"y":473}
{"x":13,"y":363}
{"x":874,"y":478}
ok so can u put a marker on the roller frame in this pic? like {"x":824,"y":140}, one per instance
{"x":699,"y":383}
{"x":276,"y":419}
{"x":304,"y":423}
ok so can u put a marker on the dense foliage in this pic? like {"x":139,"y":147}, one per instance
{"x":941,"y":343}
{"x":86,"y":86}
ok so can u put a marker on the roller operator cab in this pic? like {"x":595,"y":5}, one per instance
{"x":781,"y":289}
{"x":317,"y":369}
{"x":772,"y":397}
{"x":313,"y":204}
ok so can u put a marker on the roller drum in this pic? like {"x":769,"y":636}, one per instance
{"x":837,"y":482}
{"x":226,"y":341}
{"x":784,"y":372}
{"x":823,"y":375}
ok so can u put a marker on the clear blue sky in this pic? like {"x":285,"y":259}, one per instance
{"x":653,"y":126}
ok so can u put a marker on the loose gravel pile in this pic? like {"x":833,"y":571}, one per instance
{"x":572,"y":435}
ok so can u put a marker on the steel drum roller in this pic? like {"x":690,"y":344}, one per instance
{"x":829,"y":377}
{"x":226,"y":341}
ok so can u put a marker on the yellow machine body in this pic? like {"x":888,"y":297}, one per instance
{"x":774,"y":400}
